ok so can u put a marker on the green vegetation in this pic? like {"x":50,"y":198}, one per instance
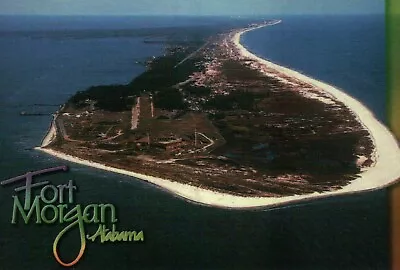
{"x":169,"y":99}
{"x":197,"y":91}
{"x":242,"y":100}
{"x":106,"y":97}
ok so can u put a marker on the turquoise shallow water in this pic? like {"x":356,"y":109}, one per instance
{"x":44,"y":62}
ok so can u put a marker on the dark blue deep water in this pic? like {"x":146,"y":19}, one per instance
{"x":42,"y":61}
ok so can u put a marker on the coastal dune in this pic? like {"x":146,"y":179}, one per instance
{"x":382,"y":173}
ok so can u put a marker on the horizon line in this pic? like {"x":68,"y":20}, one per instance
{"x":190,"y":15}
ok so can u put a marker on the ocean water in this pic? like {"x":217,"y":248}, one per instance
{"x":44,"y":61}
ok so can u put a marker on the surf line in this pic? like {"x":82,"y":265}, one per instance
{"x":56,"y":204}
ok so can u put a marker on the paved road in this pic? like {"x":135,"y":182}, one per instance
{"x":135,"y":114}
{"x":191,"y":55}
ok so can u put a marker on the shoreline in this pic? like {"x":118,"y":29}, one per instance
{"x":386,"y":152}
{"x":51,"y":132}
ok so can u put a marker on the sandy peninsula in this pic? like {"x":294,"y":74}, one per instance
{"x":381,"y":173}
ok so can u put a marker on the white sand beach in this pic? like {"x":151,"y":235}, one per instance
{"x":51,"y":134}
{"x":383,"y":172}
